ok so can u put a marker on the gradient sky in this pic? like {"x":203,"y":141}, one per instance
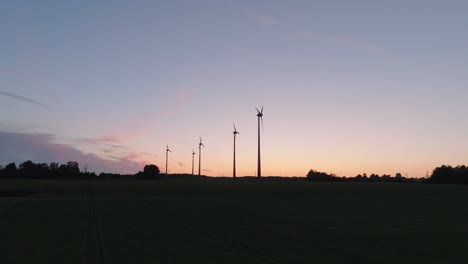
{"x":348,"y":86}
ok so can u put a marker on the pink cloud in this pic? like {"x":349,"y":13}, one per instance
{"x":137,"y":126}
{"x":19,"y":147}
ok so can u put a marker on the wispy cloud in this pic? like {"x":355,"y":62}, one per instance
{"x":104,"y":140}
{"x":265,"y":20}
{"x":268,"y":20}
{"x":22,"y":98}
{"x":117,"y":146}
{"x":113,"y":157}
{"x":131,"y":156}
{"x":331,"y":39}
{"x":341,"y":41}
{"x":181,"y":164}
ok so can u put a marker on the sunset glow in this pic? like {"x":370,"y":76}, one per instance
{"x":347,"y":87}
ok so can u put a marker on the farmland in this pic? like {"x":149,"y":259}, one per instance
{"x":225,"y":221}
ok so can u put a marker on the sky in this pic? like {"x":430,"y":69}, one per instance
{"x":348,"y":87}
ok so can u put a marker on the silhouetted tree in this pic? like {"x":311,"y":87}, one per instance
{"x":54,"y":170}
{"x":29,"y":169}
{"x":53,"y":166}
{"x":73,"y":167}
{"x":151,"y":171}
{"x":10,"y":170}
{"x":69,"y":170}
{"x":374,"y":178}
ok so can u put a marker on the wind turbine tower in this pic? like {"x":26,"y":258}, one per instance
{"x":199,"y":156}
{"x":259,"y":164}
{"x":193,"y":159}
{"x":234,"y":163}
{"x":167,"y":151}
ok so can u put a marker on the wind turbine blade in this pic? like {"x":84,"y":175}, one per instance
{"x":257,"y":110}
{"x":261,"y":111}
{"x":234,"y":125}
{"x":261,"y":118}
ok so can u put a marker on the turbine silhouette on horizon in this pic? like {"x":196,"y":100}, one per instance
{"x":234,"y":163}
{"x":199,"y":156}
{"x":167,"y":151}
{"x":259,"y":163}
{"x":193,"y":159}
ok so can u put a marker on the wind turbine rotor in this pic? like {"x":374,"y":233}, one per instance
{"x":235,"y":130}
{"x":259,"y":113}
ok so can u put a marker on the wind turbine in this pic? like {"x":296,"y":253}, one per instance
{"x":167,"y":151}
{"x":234,"y":164}
{"x":193,"y":158}
{"x":199,"y":156}
{"x":259,"y":164}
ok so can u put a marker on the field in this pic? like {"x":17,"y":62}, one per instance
{"x":224,"y":221}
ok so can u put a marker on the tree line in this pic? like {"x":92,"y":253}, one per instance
{"x":314,"y":175}
{"x":444,"y":174}
{"x":69,"y":170}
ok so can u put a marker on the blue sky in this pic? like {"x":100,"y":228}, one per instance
{"x":348,"y":87}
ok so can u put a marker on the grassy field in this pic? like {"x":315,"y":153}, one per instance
{"x":222,"y":221}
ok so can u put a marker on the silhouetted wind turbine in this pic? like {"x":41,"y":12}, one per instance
{"x":167,"y":151}
{"x":259,"y":164}
{"x":234,"y":164}
{"x":199,"y":156}
{"x":193,"y":158}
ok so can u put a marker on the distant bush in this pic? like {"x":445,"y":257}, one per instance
{"x":150,"y":172}
{"x":314,"y":175}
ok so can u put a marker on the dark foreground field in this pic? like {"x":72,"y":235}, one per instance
{"x":211,"y":221}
